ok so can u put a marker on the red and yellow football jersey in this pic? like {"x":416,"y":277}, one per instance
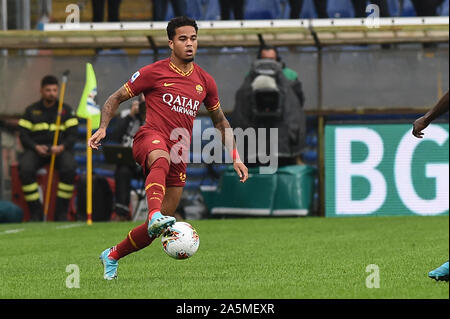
{"x":173,"y":97}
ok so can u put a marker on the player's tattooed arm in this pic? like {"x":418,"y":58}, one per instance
{"x":111,"y":105}
{"x":221,"y":123}
{"x":108,"y":111}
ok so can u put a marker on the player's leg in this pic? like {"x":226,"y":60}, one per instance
{"x":171,"y":200}
{"x":138,"y":238}
{"x":157,"y":164}
{"x":440,"y":273}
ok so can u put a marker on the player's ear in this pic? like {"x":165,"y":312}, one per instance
{"x":170,"y":44}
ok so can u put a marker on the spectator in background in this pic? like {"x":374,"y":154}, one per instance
{"x":160,"y":9}
{"x":125,"y":128}
{"x":426,"y":8}
{"x":271,"y":52}
{"x":37,"y":130}
{"x":237,"y":6}
{"x":296,"y":8}
{"x":359,"y":6}
{"x":98,"y":10}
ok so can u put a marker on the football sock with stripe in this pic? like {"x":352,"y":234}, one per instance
{"x":137,"y":239}
{"x":155,"y":185}
{"x":155,"y":189}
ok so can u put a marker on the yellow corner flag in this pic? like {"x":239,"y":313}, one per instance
{"x":88,"y":108}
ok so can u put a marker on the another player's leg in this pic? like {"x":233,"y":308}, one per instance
{"x":440,"y":273}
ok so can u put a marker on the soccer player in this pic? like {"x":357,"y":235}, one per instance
{"x":174,"y":89}
{"x":442,"y":106}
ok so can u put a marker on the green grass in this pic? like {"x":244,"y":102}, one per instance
{"x":238,"y":258}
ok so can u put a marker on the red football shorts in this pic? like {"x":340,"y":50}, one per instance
{"x":146,"y":141}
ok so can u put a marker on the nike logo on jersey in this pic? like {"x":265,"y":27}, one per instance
{"x":168,"y":84}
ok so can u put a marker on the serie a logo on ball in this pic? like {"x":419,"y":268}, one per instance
{"x":180,"y":241}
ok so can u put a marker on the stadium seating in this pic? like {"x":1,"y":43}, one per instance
{"x":394,"y":8}
{"x":262,"y":9}
{"x":194,"y":10}
{"x":443,"y":9}
{"x":308,"y":10}
{"x":280,"y":9}
{"x":140,"y":10}
{"x":340,"y":9}
{"x":212,"y":10}
{"x":408,"y":9}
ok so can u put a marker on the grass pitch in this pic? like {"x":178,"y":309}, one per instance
{"x":244,"y":258}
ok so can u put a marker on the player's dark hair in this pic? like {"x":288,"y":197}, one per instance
{"x":266,"y":47}
{"x":49,"y":80}
{"x":178,"y":22}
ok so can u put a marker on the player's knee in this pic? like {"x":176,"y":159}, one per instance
{"x":158,"y":159}
{"x":161,"y":163}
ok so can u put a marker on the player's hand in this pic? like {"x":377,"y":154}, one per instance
{"x":418,"y":126}
{"x":94,"y":141}
{"x":42,"y":150}
{"x":57,"y":149}
{"x":241,"y":170}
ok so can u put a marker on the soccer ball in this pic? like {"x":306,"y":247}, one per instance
{"x":180,"y":241}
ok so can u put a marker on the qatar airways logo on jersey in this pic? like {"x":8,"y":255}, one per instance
{"x":181,"y":104}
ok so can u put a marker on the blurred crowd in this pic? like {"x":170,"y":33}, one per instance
{"x":163,"y":10}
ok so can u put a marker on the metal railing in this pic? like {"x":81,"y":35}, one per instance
{"x":232,"y":33}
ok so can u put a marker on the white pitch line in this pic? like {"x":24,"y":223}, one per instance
{"x":12,"y":231}
{"x":69,"y":226}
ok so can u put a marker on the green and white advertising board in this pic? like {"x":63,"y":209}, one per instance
{"x":382,"y":169}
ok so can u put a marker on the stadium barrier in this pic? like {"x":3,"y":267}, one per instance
{"x":288,"y":192}
{"x":232,"y":33}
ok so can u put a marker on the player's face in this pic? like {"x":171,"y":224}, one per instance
{"x":184,"y":43}
{"x":49,"y":93}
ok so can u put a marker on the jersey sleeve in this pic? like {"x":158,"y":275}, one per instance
{"x":25,"y":130}
{"x":211,"y":100}
{"x":142,"y":80}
